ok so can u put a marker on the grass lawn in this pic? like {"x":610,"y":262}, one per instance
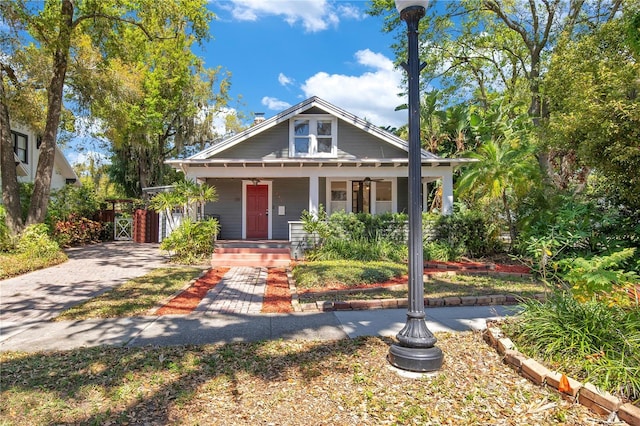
{"x":318,"y":287}
{"x":134,"y":297}
{"x":346,"y":382}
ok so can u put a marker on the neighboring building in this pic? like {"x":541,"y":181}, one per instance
{"x":311,"y":154}
{"x":26,"y":148}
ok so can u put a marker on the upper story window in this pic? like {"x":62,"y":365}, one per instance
{"x":313,"y":136}
{"x":20,"y":146}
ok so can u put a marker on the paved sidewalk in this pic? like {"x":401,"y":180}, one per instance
{"x":201,"y":328}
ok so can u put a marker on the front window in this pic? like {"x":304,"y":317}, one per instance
{"x":360,"y":196}
{"x":338,"y":196}
{"x":383,"y":197}
{"x":313,"y":136}
{"x":20,"y":146}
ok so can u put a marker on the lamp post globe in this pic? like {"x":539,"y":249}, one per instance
{"x":415,"y":350}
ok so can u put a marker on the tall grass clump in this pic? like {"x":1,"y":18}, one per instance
{"x":593,"y":340}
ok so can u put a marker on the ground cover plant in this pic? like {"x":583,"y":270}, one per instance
{"x":134,"y":297}
{"x":347,"y":382}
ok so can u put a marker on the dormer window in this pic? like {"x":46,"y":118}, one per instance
{"x":313,"y":136}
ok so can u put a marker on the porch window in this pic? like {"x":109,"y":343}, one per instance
{"x":338,"y":196}
{"x":383,"y":197}
{"x":313,"y":136}
{"x":20,"y":146}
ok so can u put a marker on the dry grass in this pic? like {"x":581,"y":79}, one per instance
{"x":281,"y":383}
{"x":14,"y":264}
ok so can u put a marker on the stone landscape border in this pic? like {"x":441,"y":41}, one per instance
{"x":586,"y":394}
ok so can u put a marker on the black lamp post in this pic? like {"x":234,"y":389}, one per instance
{"x":416,"y":350}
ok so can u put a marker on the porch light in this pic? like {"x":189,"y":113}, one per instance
{"x":416,"y":350}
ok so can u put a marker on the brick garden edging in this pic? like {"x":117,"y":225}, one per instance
{"x":353,"y":305}
{"x":586,"y":394}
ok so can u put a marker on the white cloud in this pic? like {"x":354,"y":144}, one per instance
{"x":274,"y":103}
{"x":313,"y":15}
{"x":372,"y":95}
{"x":284,"y":80}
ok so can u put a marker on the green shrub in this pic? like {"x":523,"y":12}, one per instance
{"x":35,"y":241}
{"x":440,"y":251}
{"x":350,"y":273}
{"x":601,"y":277}
{"x":6,"y":242}
{"x":361,"y":249}
{"x":358,"y":236}
{"x":73,"y":201}
{"x":466,"y":233}
{"x":192,"y":241}
{"x":594,"y":341}
{"x":77,"y":230}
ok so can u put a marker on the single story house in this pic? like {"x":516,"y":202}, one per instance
{"x":311,"y":154}
{"x":26,"y":148}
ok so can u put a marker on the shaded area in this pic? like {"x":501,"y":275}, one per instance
{"x":274,"y":382}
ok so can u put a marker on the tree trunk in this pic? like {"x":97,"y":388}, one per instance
{"x":42,"y":185}
{"x":10,"y":187}
{"x":507,"y":212}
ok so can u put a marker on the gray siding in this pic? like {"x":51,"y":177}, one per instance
{"x":293,"y":194}
{"x":228,"y":207}
{"x":353,"y":143}
{"x":356,"y":143}
{"x":272,"y":143}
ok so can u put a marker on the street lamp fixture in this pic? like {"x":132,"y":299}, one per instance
{"x":416,"y":350}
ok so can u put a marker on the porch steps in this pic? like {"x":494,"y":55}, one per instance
{"x":267,"y":254}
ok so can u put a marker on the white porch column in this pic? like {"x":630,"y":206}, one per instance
{"x":314,"y":194}
{"x":447,"y":192}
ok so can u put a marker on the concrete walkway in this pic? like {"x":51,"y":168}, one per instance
{"x":229,"y":313}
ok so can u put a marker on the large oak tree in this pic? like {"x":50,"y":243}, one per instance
{"x":58,"y":36}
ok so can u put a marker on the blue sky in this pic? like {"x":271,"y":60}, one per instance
{"x":282,"y":52}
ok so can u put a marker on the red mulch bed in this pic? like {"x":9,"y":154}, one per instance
{"x":471,"y":266}
{"x":189,"y":299}
{"x":277,"y":297}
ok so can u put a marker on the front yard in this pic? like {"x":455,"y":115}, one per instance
{"x":347,"y":382}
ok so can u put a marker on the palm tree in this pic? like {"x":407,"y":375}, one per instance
{"x":506,"y":169}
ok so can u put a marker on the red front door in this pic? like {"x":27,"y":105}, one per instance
{"x":257,"y":211}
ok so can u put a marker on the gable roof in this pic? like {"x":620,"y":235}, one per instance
{"x":299,"y":109}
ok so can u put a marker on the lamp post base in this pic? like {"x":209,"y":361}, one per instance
{"x":415,"y":359}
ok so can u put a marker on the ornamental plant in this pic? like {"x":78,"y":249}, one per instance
{"x":192,"y":241}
